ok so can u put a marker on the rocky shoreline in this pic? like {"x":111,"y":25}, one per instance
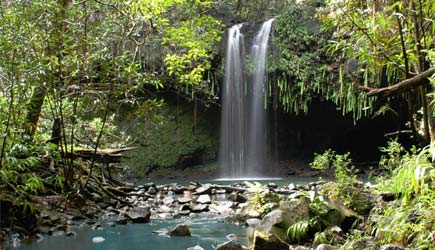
{"x":268,"y":210}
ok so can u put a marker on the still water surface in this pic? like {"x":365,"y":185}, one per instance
{"x":206,"y":232}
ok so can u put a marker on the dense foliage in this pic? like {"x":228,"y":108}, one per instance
{"x":304,"y":69}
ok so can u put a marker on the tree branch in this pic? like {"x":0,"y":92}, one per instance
{"x":400,"y":87}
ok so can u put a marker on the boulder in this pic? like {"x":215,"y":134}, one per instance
{"x":293,"y":211}
{"x":266,"y":241}
{"x":139,"y":215}
{"x":180,"y":230}
{"x":288,"y":213}
{"x":204,"y":199}
{"x":230,"y":245}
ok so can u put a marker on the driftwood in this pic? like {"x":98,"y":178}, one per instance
{"x":400,"y":87}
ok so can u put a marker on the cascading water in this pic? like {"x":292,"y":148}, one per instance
{"x":232,"y":130}
{"x":243,"y":131}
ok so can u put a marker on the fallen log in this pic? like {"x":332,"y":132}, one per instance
{"x":113,"y":155}
{"x":241,"y":189}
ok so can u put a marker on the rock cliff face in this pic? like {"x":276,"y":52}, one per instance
{"x":177,"y":139}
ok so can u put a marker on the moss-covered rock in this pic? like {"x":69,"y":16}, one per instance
{"x":265,"y":241}
{"x":176,"y":139}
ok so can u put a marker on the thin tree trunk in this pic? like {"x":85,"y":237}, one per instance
{"x":34,"y":111}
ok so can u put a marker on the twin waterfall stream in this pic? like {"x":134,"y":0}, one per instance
{"x":243,"y":150}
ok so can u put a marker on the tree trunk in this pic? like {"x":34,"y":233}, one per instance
{"x":34,"y":111}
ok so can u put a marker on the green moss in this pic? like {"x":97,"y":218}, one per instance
{"x":175,"y":140}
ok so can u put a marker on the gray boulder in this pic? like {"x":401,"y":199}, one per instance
{"x":139,"y":215}
{"x":204,"y":199}
{"x":180,"y":230}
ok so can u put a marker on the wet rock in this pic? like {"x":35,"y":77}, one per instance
{"x":43,"y":229}
{"x":204,"y":199}
{"x":60,"y":227}
{"x":70,"y":233}
{"x":111,"y":224}
{"x":272,"y":185}
{"x":236,"y":197}
{"x":230,"y":245}
{"x":197,"y":247}
{"x":121,"y":220}
{"x":180,"y":230}
{"x":96,"y":226}
{"x":98,"y":240}
{"x":392,"y":247}
{"x":139,"y":215}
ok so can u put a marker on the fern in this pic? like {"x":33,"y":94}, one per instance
{"x":299,"y":231}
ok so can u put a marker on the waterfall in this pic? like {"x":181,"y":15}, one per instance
{"x":243,"y":150}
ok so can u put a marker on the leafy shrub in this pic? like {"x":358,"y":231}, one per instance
{"x":392,"y":156}
{"x":261,"y":199}
{"x":331,"y":163}
{"x":408,"y":220}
